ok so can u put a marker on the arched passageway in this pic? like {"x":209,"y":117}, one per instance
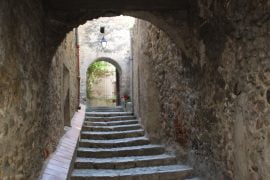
{"x":212,"y":79}
{"x":103,"y":83}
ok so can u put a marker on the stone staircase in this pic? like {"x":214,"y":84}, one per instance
{"x":113,"y":147}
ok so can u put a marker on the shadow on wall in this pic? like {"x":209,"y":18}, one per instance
{"x":66,"y":83}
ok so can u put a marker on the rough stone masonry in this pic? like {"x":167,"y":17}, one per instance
{"x":213,"y":99}
{"x":31,"y":89}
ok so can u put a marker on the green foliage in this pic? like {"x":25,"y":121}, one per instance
{"x":96,"y":71}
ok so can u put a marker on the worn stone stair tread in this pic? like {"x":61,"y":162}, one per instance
{"x":120,"y":151}
{"x":111,"y":132}
{"x":110,"y":173}
{"x":113,"y":128}
{"x":129,"y":148}
{"x":134,"y":141}
{"x":104,"y":123}
{"x":124,"y":162}
{"x":107,"y":114}
{"x":123,"y":159}
{"x":105,"y":109}
{"x":142,"y":150}
{"x":109,"y":119}
{"x":114,"y":140}
{"x":104,"y":128}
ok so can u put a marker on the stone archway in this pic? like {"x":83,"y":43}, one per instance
{"x":110,"y":60}
{"x":26,"y":62}
{"x":160,"y":18}
{"x":119,"y":74}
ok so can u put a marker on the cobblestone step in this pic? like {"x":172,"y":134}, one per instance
{"x":109,"y":119}
{"x":113,"y":123}
{"x":111,"y":134}
{"x":124,"y":163}
{"x":120,"y":152}
{"x":107,"y":114}
{"x":112,"y":128}
{"x":114,"y":142}
{"x":171,"y":172}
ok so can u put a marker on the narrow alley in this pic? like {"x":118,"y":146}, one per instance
{"x":134,"y":90}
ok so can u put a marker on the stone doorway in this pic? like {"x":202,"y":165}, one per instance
{"x":103,"y":85}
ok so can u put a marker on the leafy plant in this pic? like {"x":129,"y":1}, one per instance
{"x":96,"y":71}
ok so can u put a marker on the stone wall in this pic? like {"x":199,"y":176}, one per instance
{"x":29,"y":124}
{"x":145,"y":92}
{"x":117,"y":51}
{"x":157,"y":84}
{"x":64,"y":67}
{"x":232,"y":45}
{"x":212,"y":92}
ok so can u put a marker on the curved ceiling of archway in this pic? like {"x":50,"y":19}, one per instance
{"x":69,"y":14}
{"x":71,"y":5}
{"x":109,"y":60}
